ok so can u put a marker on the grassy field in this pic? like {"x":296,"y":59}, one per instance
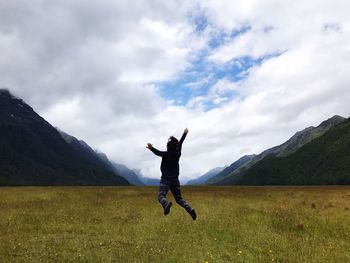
{"x":126,"y":224}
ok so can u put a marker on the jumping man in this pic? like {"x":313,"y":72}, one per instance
{"x":170,"y":174}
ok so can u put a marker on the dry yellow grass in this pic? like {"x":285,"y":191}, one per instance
{"x":126,"y":224}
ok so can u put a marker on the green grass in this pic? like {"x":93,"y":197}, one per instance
{"x":126,"y":224}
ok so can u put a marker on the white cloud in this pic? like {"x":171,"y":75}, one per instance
{"x":67,"y":48}
{"x":222,"y":86}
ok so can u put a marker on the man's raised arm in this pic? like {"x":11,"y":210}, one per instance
{"x":179,"y":144}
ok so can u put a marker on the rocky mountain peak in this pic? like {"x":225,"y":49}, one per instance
{"x":336,"y":119}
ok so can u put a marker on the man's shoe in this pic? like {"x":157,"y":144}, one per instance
{"x":167,"y":208}
{"x":193,"y":214}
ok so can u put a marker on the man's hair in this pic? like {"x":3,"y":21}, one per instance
{"x":172,"y":143}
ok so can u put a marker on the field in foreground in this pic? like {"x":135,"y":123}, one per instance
{"x":126,"y":224}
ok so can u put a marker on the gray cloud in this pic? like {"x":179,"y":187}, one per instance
{"x":68,"y":48}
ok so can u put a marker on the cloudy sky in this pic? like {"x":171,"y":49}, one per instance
{"x":242,"y":75}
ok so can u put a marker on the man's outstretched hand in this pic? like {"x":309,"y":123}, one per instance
{"x":149,"y":146}
{"x":186,"y":131}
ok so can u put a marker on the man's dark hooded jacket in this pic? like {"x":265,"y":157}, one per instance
{"x":170,"y":162}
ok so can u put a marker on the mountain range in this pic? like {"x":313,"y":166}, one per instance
{"x":323,"y":161}
{"x":201,"y":180}
{"x":129,"y":174}
{"x":241,"y":162}
{"x":33,"y":152}
{"x":102,"y":159}
{"x":294,"y":145}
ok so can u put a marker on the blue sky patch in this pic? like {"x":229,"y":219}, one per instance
{"x":197,"y":80}
{"x":202,"y":75}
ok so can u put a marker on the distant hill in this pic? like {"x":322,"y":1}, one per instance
{"x":146,"y":180}
{"x":35,"y":153}
{"x":323,"y":161}
{"x":85,"y":150}
{"x":101,"y":159}
{"x":128,"y":174}
{"x":121,"y":170}
{"x":150,"y":181}
{"x":205,"y":177}
{"x":230,"y":169}
{"x":289,"y":147}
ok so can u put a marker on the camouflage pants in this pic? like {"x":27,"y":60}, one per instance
{"x":175,"y":190}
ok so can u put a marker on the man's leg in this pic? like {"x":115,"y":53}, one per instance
{"x":175,"y":189}
{"x":163,"y":190}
